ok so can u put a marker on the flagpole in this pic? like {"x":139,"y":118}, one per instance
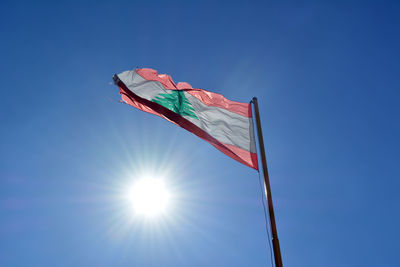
{"x":275,"y":240}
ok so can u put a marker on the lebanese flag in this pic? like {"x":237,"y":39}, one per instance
{"x":225,"y":124}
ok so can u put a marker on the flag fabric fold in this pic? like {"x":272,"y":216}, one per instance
{"x":225,"y":124}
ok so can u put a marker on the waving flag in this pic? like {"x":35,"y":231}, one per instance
{"x":225,"y":124}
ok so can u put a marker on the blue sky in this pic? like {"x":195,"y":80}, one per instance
{"x":325,"y":74}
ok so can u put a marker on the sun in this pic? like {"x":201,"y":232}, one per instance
{"x":149,"y":197}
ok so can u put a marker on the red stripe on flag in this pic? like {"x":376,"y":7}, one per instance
{"x":245,"y":157}
{"x":208,"y":98}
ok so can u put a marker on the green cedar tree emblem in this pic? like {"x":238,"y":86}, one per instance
{"x":177,"y":102}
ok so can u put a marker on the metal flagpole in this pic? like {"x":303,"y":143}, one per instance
{"x":275,"y":240}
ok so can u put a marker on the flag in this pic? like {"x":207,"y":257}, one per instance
{"x":225,"y":124}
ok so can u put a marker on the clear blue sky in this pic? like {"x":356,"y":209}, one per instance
{"x":326,"y":74}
